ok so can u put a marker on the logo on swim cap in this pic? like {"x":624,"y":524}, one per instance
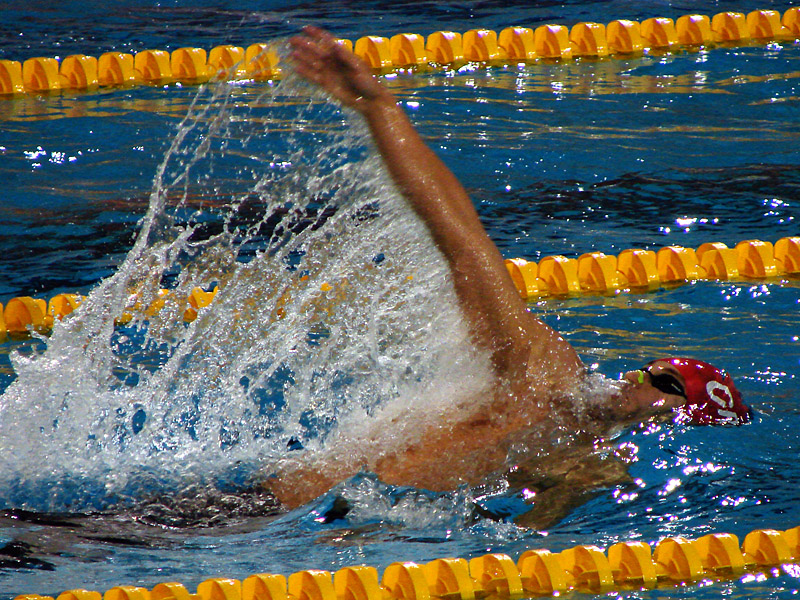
{"x":711,"y":396}
{"x":720,"y":394}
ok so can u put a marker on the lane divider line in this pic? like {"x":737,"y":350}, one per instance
{"x":593,"y":273}
{"x":260,"y":61}
{"x":588,"y":569}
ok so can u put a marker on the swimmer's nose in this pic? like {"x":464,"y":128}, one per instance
{"x":636,"y":376}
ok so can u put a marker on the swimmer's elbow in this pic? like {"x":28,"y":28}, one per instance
{"x":298,"y":487}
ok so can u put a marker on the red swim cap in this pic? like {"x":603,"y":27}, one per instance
{"x":711,"y":397}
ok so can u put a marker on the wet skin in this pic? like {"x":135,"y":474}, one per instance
{"x":537,"y":371}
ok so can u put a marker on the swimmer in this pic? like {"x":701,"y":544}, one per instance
{"x":537,"y":371}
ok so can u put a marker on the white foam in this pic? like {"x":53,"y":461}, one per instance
{"x":106,"y":414}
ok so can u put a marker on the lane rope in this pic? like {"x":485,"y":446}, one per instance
{"x":449,"y":49}
{"x":594,"y":273}
{"x":673,"y":561}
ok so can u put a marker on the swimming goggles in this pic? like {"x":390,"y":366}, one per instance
{"x":664,"y":382}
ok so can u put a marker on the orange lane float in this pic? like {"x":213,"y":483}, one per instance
{"x":585,"y":569}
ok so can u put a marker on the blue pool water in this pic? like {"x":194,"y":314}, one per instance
{"x":118,"y":470}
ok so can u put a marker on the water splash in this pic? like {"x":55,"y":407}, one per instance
{"x":334,"y":314}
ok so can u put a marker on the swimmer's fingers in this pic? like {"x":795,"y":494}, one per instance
{"x":319,"y":58}
{"x":310,"y":51}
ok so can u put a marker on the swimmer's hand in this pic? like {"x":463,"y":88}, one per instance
{"x":319,"y":58}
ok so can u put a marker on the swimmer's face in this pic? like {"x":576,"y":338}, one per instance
{"x":659,"y":385}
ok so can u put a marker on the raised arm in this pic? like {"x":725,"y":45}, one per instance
{"x":537,"y":370}
{"x":498,"y":318}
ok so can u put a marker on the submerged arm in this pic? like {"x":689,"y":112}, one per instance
{"x":498,"y":318}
